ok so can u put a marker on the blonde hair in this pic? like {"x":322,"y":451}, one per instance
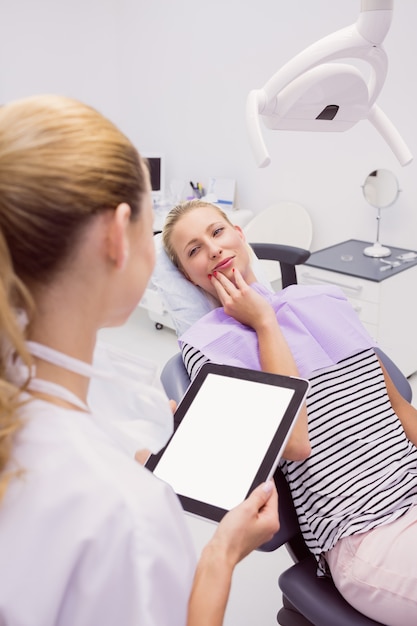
{"x":61,"y":163}
{"x":173,"y":218}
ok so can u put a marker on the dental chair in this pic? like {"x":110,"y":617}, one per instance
{"x":307,"y":600}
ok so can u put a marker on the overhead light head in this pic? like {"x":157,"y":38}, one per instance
{"x":314,"y":92}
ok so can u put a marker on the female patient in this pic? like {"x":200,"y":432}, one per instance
{"x":352,"y":462}
{"x":88,"y":537}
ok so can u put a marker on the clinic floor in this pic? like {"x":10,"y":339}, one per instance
{"x":255,"y":597}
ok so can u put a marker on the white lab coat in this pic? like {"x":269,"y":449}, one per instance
{"x":88,"y":537}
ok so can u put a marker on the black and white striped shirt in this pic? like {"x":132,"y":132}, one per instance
{"x":362,"y":471}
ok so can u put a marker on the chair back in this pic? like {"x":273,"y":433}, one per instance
{"x":286,"y":223}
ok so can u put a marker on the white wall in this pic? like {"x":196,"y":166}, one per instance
{"x":175,"y":76}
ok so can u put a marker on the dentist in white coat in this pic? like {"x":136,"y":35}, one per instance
{"x":88,"y":536}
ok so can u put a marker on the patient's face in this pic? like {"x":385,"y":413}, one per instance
{"x":205,"y":242}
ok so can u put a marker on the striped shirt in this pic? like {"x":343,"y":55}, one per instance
{"x":362,"y":471}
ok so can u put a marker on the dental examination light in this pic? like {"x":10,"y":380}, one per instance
{"x":312,"y":92}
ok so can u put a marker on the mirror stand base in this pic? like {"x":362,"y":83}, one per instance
{"x":377,"y":250}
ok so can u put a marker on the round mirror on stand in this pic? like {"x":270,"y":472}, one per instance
{"x":380,"y":190}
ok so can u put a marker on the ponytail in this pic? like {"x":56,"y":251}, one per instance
{"x":13,"y":297}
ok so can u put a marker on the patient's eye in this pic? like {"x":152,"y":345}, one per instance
{"x":192,"y":251}
{"x":218,"y":230}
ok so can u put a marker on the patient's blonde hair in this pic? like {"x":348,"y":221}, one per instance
{"x":174,"y":217}
{"x":61,"y":163}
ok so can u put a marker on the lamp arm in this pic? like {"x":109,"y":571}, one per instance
{"x":255,"y":103}
{"x":391,"y":135}
{"x":378,"y":60}
{"x":375,"y":19}
{"x":344,"y":43}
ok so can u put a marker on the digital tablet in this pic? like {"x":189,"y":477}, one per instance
{"x":231,"y":428}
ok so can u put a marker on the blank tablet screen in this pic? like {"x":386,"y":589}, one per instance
{"x":232,"y":427}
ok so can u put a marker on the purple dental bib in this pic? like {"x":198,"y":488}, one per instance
{"x":318,"y":323}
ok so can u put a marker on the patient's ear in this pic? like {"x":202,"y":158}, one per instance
{"x":186,"y":276}
{"x":240,"y":231}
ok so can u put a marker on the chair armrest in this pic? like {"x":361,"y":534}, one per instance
{"x":396,"y":375}
{"x":174,"y":378}
{"x":289,"y":532}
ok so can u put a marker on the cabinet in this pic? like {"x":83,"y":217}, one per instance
{"x":383,"y":295}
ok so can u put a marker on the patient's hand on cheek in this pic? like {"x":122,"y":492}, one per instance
{"x":241,"y":302}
